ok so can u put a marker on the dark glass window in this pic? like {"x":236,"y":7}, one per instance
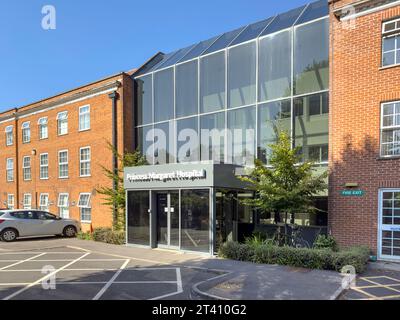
{"x":138,"y":217}
{"x":223,"y":41}
{"x":187,"y":140}
{"x":275,"y":66}
{"x":311,"y":64}
{"x":314,"y":11}
{"x":272,"y":116}
{"x":212,"y":82}
{"x":186,"y":89}
{"x":164,"y":95}
{"x":283,"y":21}
{"x":242,"y":75}
{"x":212,"y":137}
{"x":199,"y":49}
{"x":144,"y":100}
{"x":164,"y":143}
{"x":144,"y":141}
{"x":252,"y":31}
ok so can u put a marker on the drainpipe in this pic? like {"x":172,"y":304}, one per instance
{"x":114,"y":97}
{"x":16,"y":162}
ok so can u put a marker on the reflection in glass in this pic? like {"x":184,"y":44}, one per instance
{"x":241,"y":136}
{"x":186,"y":89}
{"x":188,"y":143}
{"x":225,"y":216}
{"x":212,"y":82}
{"x":138,"y":217}
{"x":212,"y":132}
{"x":272,"y":116}
{"x":164,"y":95}
{"x":311,"y":57}
{"x":311,"y":126}
{"x":242,"y":75}
{"x":144,"y":100}
{"x":164,"y":143}
{"x":144,"y":141}
{"x":275,"y":66}
{"x":195,"y":220}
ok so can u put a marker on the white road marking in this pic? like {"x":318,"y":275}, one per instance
{"x":179,"y":287}
{"x":22,"y":261}
{"x":109,"y":283}
{"x":33,"y":252}
{"x":43,"y":278}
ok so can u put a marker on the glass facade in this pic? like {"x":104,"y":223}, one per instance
{"x":277,"y":77}
{"x":138,"y":205}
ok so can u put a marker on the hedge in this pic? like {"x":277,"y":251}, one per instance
{"x":107,"y":235}
{"x":323,"y":259}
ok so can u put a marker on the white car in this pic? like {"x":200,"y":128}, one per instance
{"x":32,"y":223}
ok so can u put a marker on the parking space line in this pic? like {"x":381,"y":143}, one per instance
{"x":366,"y":293}
{"x":21,"y":261}
{"x":109,"y":283}
{"x":44,"y":278}
{"x":179,"y":287}
{"x":33,"y":252}
{"x":381,"y":285}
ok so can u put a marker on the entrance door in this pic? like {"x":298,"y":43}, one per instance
{"x":168,"y":219}
{"x":389,"y":224}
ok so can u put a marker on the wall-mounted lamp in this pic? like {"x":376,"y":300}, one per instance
{"x":33,"y":152}
{"x":351,"y":185}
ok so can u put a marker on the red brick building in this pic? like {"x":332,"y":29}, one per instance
{"x":364,"y":160}
{"x":53,"y":150}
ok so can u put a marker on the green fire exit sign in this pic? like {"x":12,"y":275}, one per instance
{"x":352,"y":193}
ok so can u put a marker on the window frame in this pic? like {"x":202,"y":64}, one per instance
{"x":41,"y":206}
{"x":26,"y":168}
{"x":8,"y":169}
{"x":43,"y":166}
{"x":10,"y":196}
{"x":85,"y":161}
{"x":43,"y":123}
{"x":27,"y":196}
{"x":60,"y":121}
{"x":387,"y":128}
{"x":63,"y":163}
{"x":26,"y":132}
{"x":87,"y":207}
{"x":390,"y":34}
{"x":9,"y":131}
{"x":82,"y":114}
{"x":59,"y":198}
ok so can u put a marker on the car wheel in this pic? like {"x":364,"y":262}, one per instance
{"x":9,"y":235}
{"x":69,"y":231}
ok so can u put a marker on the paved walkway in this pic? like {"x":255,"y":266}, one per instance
{"x":215,"y":279}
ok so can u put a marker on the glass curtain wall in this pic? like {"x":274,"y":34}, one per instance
{"x":138,"y":217}
{"x":279,"y":80}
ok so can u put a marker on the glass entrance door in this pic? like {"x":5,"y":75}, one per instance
{"x":389,"y":225}
{"x":168,"y":219}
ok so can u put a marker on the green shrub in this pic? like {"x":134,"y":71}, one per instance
{"x":297,"y":257}
{"x":107,"y":235}
{"x":325,"y":242}
{"x":257,"y":239}
{"x":84,"y":235}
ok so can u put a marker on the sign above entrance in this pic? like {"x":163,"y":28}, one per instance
{"x":352,"y":193}
{"x":168,"y":176}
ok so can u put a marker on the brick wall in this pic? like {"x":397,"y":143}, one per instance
{"x":358,"y":87}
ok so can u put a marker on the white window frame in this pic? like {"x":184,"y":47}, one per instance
{"x":26,"y":132}
{"x":9,"y":169}
{"x":41,"y":166}
{"x":10,"y":201}
{"x":387,"y":128}
{"x":62,"y":117}
{"x":85,"y":161}
{"x":46,"y":203}
{"x":62,"y":207}
{"x":24,"y":168}
{"x":27,"y":204}
{"x":43,"y":124}
{"x":63,"y":163}
{"x":82,"y":116}
{"x":394,"y":33}
{"x":9,"y":135}
{"x":86,"y":207}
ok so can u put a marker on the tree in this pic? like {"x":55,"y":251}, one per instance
{"x":289,"y":186}
{"x":116,"y":198}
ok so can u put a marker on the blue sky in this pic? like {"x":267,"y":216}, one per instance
{"x":97,"y":38}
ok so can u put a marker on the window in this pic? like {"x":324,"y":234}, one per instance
{"x":44,"y":202}
{"x":10,"y":169}
{"x":212,"y":82}
{"x":44,"y":166}
{"x":163,"y":147}
{"x":62,"y":123}
{"x":187,"y":89}
{"x":84,"y":118}
{"x":63,"y":205}
{"x":84,"y":162}
{"x":390,"y":129}
{"x":84,"y":207}
{"x":187,"y":140}
{"x":26,"y":168}
{"x":242,"y":75}
{"x":144,"y":100}
{"x":164,"y":95}
{"x":27,"y":201}
{"x":26,"y":132}
{"x":389,"y":223}
{"x":43,"y":129}
{"x":10,"y":201}
{"x":212,"y":132}
{"x":63,"y":164}
{"x":9,"y":136}
{"x":391,"y":43}
{"x":144,"y":141}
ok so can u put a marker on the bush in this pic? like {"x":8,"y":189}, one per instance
{"x":305,"y":258}
{"x":325,"y":242}
{"x":107,"y":235}
{"x":84,"y":235}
